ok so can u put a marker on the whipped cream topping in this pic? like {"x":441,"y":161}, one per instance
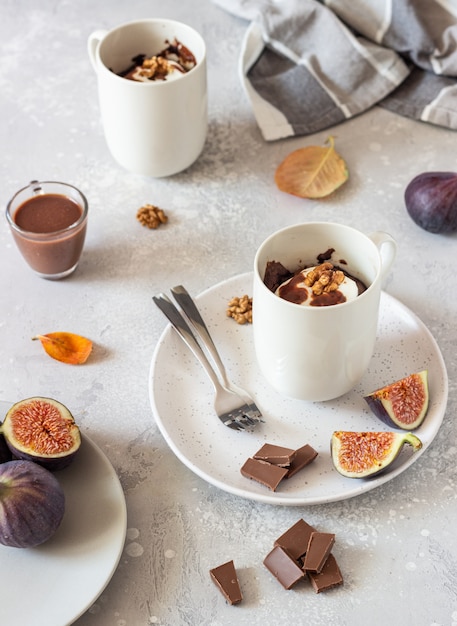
{"x":296,"y":290}
{"x":142,"y":75}
{"x":169,"y":64}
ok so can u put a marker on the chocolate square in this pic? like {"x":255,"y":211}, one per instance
{"x":303,"y":457}
{"x":283,"y":567}
{"x":225,"y":578}
{"x":295,"y":540}
{"x":330,"y":576}
{"x":278,"y":455}
{"x":319,"y":547}
{"x":263,"y":472}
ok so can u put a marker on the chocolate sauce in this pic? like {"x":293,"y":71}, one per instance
{"x":52,"y":233}
{"x":293,"y":293}
{"x":325,"y":256}
{"x":276,"y":274}
{"x":47,"y":213}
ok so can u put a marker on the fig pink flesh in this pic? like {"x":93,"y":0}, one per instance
{"x":404,"y":403}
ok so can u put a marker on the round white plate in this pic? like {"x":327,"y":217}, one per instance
{"x":55,"y":583}
{"x":182,"y":400}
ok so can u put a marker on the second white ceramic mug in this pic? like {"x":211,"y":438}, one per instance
{"x":319,"y":353}
{"x":156,"y":128}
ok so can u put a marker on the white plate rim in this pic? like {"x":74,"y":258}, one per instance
{"x":69,"y":614}
{"x":237,"y":285}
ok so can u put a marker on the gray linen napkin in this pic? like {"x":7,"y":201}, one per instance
{"x":307,"y":65}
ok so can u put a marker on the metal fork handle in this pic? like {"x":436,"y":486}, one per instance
{"x":197,"y":323}
{"x":180,"y":325}
{"x":189,"y":307}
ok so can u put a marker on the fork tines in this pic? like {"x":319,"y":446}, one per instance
{"x":241,"y":419}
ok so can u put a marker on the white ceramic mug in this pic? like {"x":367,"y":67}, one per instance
{"x":319,"y":353}
{"x":156,"y":128}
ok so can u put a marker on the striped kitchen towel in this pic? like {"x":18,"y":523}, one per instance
{"x":307,"y":65}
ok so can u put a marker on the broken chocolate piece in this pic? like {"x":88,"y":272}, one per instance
{"x":329,"y":577}
{"x":296,"y":539}
{"x":275,"y":275}
{"x":263,"y":472}
{"x":283,"y":567}
{"x":319,"y":547}
{"x":226,"y":580}
{"x":277,"y":455}
{"x":303,"y":456}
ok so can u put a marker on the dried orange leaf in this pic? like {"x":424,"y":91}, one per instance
{"x":312,"y":172}
{"x":66,"y":347}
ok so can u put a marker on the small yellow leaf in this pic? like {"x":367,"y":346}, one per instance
{"x":312,"y":172}
{"x":66,"y":347}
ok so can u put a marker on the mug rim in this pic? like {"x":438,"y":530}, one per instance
{"x":55,"y":233}
{"x":152,"y":21}
{"x":363,"y":295}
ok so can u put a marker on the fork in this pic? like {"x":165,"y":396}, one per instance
{"x":233,"y":406}
{"x":187,"y":304}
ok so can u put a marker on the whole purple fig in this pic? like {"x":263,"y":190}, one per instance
{"x":431,"y":201}
{"x":32,"y":504}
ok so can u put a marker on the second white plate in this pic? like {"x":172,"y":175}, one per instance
{"x":55,"y":583}
{"x":182,"y":401}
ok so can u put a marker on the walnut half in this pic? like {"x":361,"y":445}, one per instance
{"x":151,"y":216}
{"x":240,"y":309}
{"x":324,"y":278}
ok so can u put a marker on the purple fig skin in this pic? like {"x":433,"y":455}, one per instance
{"x":431,"y":201}
{"x":32,"y":504}
{"x":378,"y":409}
{"x":53,"y":464}
{"x":5,"y":452}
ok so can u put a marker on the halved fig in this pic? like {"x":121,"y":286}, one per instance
{"x":41,"y":430}
{"x":32,"y":504}
{"x":404,"y":403}
{"x":364,"y":454}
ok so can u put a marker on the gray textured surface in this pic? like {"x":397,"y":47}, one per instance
{"x":396,"y":544}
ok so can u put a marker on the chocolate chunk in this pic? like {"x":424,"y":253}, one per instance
{"x":226,"y":580}
{"x":283,"y":567}
{"x":278,"y":455}
{"x":275,"y":275}
{"x":319,"y":547}
{"x":263,"y":472}
{"x":303,"y":456}
{"x":296,"y":539}
{"x":329,"y":577}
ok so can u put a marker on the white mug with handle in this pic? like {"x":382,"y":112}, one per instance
{"x":156,"y":128}
{"x":319,"y":353}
